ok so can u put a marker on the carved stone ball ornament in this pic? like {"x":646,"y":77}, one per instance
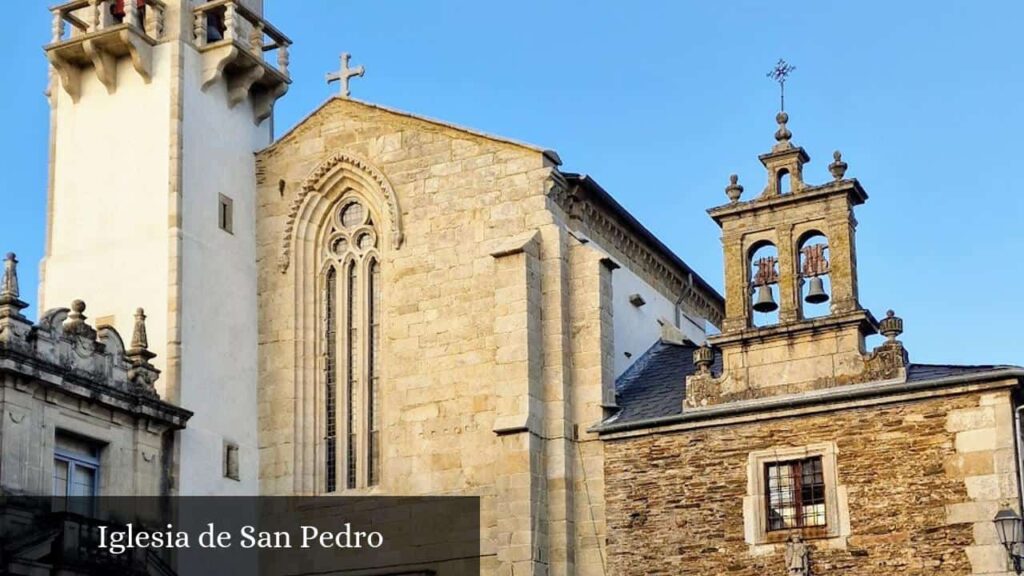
{"x":734,"y":190}
{"x":782,"y":134}
{"x":75,"y":324}
{"x":837,"y":167}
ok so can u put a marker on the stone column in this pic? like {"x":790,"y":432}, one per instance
{"x":789,"y":275}
{"x":737,"y":284}
{"x":842,"y":268}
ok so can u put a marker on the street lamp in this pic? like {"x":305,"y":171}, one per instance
{"x":1010,"y":529}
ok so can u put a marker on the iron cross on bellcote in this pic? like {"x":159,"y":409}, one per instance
{"x":345,"y":74}
{"x":780,"y":73}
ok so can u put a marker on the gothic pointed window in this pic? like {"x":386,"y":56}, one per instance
{"x":330,"y":378}
{"x":351,"y":381}
{"x":351,"y":340}
{"x":373,"y":374}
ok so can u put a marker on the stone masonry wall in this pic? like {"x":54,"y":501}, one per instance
{"x":31,"y":415}
{"x":478,"y":385}
{"x":923,"y":479}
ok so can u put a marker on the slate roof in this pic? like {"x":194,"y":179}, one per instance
{"x":655,"y":385}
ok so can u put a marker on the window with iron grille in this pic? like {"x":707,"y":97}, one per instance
{"x":373,"y":383}
{"x":330,"y":383}
{"x":352,"y":340}
{"x":351,"y":381}
{"x":795,"y":494}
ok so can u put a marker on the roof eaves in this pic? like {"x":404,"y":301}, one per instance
{"x":608,"y":200}
{"x":832,"y":395}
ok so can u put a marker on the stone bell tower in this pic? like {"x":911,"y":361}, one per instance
{"x":793,"y":319}
{"x":157,"y":108}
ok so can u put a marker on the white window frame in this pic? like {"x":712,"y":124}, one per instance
{"x":837,"y":515}
{"x":76,"y":461}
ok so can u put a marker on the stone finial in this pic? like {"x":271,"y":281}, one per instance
{"x":142,"y":373}
{"x":139,"y":352}
{"x":10,"y":303}
{"x":783,"y":134}
{"x":891,"y":326}
{"x":703,"y":358}
{"x":837,"y":167}
{"x":75,"y":324}
{"x":139,"y":339}
{"x":9,"y":286}
{"x":734,"y":190}
{"x":891,"y":359}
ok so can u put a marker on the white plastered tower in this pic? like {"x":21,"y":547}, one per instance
{"x":157,"y":108}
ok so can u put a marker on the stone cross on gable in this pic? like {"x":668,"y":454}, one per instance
{"x":345,"y":74}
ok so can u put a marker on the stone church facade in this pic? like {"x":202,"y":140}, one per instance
{"x":496,"y":311}
{"x":407,"y":307}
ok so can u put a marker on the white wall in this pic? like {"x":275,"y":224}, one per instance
{"x":109,"y":214}
{"x":635,"y":328}
{"x":638,"y":328}
{"x":111,"y":239}
{"x":219,"y":309}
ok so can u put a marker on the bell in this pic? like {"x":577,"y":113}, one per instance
{"x":765,"y":302}
{"x":816,"y":294}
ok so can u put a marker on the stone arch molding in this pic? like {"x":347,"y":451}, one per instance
{"x":332,"y":178}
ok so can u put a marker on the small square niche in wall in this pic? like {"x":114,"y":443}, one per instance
{"x":231,"y":461}
{"x":637,"y":300}
{"x":226,"y":214}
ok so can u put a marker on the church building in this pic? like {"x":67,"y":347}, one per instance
{"x":783,"y":444}
{"x":379,"y":303}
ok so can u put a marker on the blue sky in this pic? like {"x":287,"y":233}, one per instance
{"x":660,"y":101}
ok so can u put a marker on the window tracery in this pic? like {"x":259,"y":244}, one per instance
{"x":351,"y":341}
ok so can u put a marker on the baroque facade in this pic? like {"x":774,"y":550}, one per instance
{"x":408,"y":307}
{"x":80,"y":419}
{"x":81,"y":414}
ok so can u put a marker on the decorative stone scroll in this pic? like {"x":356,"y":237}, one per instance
{"x":86,"y":358}
{"x":702,"y":390}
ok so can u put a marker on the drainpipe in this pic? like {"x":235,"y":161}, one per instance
{"x":677,"y":309}
{"x":680,"y":316}
{"x":1020,"y":456}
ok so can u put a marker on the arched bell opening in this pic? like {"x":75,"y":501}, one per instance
{"x":815,"y":280}
{"x":783,"y":181}
{"x":763,"y":263}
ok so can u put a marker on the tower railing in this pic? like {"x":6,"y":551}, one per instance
{"x":80,"y":17}
{"x":230,"y":22}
